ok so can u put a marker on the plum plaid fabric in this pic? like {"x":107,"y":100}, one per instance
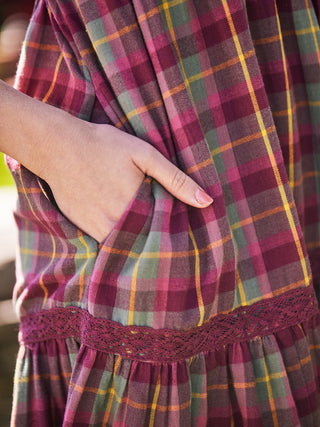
{"x":181,"y":317}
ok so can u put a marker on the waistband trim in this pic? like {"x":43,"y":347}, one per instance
{"x":166,"y":345}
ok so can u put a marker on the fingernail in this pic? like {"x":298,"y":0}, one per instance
{"x":203,"y":198}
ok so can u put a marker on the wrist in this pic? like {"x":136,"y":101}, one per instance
{"x":67,"y":147}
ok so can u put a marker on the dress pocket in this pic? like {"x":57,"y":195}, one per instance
{"x":123,"y":252}
{"x":47,"y":192}
{"x":133,"y":219}
{"x":69,"y":228}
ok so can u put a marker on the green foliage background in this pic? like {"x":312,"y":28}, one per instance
{"x":5,"y":177}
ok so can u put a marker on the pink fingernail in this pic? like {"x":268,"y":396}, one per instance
{"x":203,"y":198}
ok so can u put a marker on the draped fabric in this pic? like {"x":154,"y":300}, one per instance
{"x":181,"y":316}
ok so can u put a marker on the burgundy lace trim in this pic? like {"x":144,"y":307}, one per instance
{"x":166,"y":345}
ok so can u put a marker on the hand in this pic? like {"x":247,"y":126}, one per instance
{"x":93,"y":170}
{"x":99,"y":172}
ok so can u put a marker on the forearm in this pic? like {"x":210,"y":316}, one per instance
{"x":27,"y":127}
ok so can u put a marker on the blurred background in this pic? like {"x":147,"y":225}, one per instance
{"x":14,"y":17}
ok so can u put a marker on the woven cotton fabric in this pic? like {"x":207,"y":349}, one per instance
{"x":181,"y":316}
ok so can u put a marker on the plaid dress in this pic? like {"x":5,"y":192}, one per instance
{"x":182,"y":316}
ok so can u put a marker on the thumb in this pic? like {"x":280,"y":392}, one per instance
{"x":180,"y":185}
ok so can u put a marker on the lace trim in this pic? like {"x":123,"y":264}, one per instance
{"x":167,"y":345}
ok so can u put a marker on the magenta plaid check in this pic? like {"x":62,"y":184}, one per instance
{"x":182,"y":316}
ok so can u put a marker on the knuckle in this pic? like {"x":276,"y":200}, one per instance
{"x":179,"y":180}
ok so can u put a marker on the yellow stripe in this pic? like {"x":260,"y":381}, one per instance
{"x":232,"y":384}
{"x":157,"y":9}
{"x":146,"y":16}
{"x":22,"y":250}
{"x":301,"y":363}
{"x":240,"y":287}
{"x":287,"y":33}
{"x":265,"y":40}
{"x":274,"y":376}
{"x":197,"y":277}
{"x":300,"y":104}
{"x":133,"y":255}
{"x":81,"y":276}
{"x":53,"y":48}
{"x":250,"y":384}
{"x":121,"y":122}
{"x":155,"y":400}
{"x":50,"y":13}
{"x":300,"y":32}
{"x":199,"y":166}
{"x":137,"y":405}
{"x":133,"y":292}
{"x":115,"y":35}
{"x":219,"y":67}
{"x":27,"y":251}
{"x":267,"y":144}
{"x":273,"y":294}
{"x":107,"y":413}
{"x":311,"y":174}
{"x":125,"y":30}
{"x":160,"y":255}
{"x":144,"y":108}
{"x":111,"y":393}
{"x":166,"y":7}
{"x":289,"y":106}
{"x":240,"y":141}
{"x":84,"y":21}
{"x":37,"y":377}
{"x":39,"y":46}
{"x":232,"y":417}
{"x":314,"y":347}
{"x":31,"y":190}
{"x":218,"y":387}
{"x":45,"y":99}
{"x":55,"y":255}
{"x":271,"y":399}
{"x":199,"y":395}
{"x":313,"y":30}
{"x":282,"y":290}
{"x":87,"y":51}
{"x":81,"y":389}
{"x":255,"y":218}
{"x":206,"y":73}
{"x":145,"y":406}
{"x":313,"y":245}
{"x":80,"y":11}
{"x":41,"y":283}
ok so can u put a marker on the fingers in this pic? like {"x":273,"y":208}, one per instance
{"x":180,"y":185}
